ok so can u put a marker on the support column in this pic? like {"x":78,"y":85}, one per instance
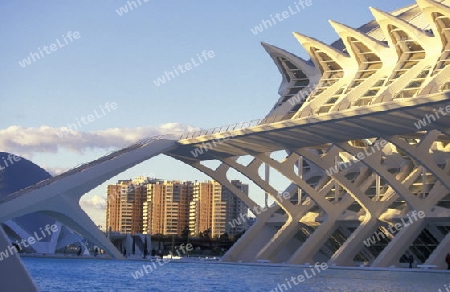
{"x":285,"y":233}
{"x":311,"y":246}
{"x":391,"y":254}
{"x":345,"y":254}
{"x":235,"y":252}
{"x":422,"y":155}
{"x":438,"y":256}
{"x":406,"y":236}
{"x":292,"y":211}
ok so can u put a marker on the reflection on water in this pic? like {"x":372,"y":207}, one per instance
{"x":103,"y":275}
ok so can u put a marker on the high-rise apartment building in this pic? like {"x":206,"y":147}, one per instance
{"x":201,"y":209}
{"x":152,"y":206}
{"x":236,"y":208}
{"x":124,"y":206}
{"x":213,"y":206}
{"x":166,"y":208}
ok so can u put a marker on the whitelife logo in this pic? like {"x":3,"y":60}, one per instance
{"x":184,"y":68}
{"x":37,"y":56}
{"x":435,"y":116}
{"x":27,"y":242}
{"x":377,"y":147}
{"x":265,"y":24}
{"x":11,"y":158}
{"x":258,"y":210}
{"x":124,"y":9}
{"x":396,"y":227}
{"x":161,"y":262}
{"x":89,"y":119}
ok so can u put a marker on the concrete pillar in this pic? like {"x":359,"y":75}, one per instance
{"x":345,"y":254}
{"x":284,"y":235}
{"x":391,"y":254}
{"x":235,"y":252}
{"x":438,"y":256}
{"x":313,"y":244}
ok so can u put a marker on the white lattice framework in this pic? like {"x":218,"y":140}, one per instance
{"x":406,"y":55}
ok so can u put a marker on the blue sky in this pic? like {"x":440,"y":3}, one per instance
{"x":116,"y":58}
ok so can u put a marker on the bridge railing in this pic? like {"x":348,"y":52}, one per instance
{"x":232,"y":127}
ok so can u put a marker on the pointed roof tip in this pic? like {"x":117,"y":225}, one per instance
{"x":300,"y":36}
{"x":264,"y":44}
{"x":268,"y":47}
{"x":377,"y":12}
{"x":338,"y":26}
{"x":374,"y":10}
{"x":306,"y":39}
{"x":331,"y":21}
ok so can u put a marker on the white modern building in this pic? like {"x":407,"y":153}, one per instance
{"x":364,"y":125}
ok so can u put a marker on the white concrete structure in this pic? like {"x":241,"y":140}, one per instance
{"x":358,"y":160}
{"x":368,"y":89}
{"x":58,"y":197}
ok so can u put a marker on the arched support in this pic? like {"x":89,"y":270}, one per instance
{"x":220,"y":175}
{"x":372,"y":160}
{"x":285,"y":234}
{"x":405,"y":237}
{"x":310,"y":247}
{"x":422,"y":155}
{"x":294,"y":213}
{"x":345,"y":254}
{"x":251,"y":172}
{"x":239,"y":251}
{"x":66,"y":211}
{"x":60,"y":195}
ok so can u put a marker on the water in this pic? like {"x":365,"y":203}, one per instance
{"x":110,"y":275}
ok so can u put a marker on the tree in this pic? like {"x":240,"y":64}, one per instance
{"x":207,"y":233}
{"x":185,"y":233}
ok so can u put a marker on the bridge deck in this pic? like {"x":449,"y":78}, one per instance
{"x":393,"y":118}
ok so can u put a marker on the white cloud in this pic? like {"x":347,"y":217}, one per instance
{"x":26,"y":142}
{"x":95,"y":207}
{"x":96,"y":202}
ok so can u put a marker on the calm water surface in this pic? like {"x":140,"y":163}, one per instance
{"x":109,"y":275}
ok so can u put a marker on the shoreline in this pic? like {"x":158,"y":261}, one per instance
{"x":212,"y":260}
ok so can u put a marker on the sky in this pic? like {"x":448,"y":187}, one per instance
{"x":62,"y":61}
